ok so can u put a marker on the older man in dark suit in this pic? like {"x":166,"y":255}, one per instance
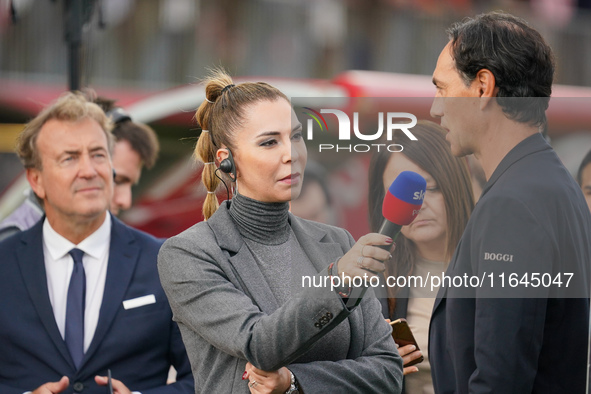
{"x":80,"y":291}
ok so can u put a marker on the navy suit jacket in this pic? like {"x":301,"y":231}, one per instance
{"x":138,"y":344}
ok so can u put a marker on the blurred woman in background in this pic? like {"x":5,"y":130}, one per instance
{"x":428,"y":243}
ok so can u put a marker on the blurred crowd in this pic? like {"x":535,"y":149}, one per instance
{"x":165,"y":42}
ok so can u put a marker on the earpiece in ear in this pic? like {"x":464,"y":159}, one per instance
{"x":227,"y":166}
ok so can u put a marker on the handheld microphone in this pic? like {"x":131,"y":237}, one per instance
{"x":402,"y":203}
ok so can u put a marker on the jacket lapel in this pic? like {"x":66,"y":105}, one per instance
{"x":441,"y":294}
{"x":312,"y":240}
{"x":241,"y":259}
{"x":123,"y":258}
{"x":253,"y":281}
{"x":32,"y":265}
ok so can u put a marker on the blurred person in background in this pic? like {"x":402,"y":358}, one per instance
{"x":234,"y":281}
{"x":314,"y":202}
{"x":493,"y":84}
{"x":426,"y":245}
{"x":584,"y":177}
{"x":136,"y":146}
{"x":80,"y":290}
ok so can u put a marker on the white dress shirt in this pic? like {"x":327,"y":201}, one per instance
{"x":59,"y":265}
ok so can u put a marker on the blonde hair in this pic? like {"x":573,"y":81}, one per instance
{"x":222,"y":114}
{"x":70,"y":107}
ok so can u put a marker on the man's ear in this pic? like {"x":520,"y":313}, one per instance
{"x":36,"y":182}
{"x":485,"y":83}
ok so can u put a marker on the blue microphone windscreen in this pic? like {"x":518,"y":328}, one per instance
{"x":409,"y":187}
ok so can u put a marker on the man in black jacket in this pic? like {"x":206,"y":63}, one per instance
{"x":521,"y":322}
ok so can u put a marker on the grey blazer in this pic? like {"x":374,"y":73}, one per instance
{"x":228,"y":315}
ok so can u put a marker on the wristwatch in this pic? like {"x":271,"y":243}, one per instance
{"x":293,"y":389}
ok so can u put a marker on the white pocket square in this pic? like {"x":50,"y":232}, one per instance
{"x":140,"y":301}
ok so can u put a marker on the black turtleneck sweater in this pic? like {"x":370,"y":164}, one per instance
{"x":267,"y":233}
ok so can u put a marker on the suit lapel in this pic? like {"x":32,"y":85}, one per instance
{"x":241,"y":259}
{"x":123,"y":257}
{"x":32,"y":266}
{"x":442,"y":293}
{"x":244,"y":264}
{"x":253,"y":281}
{"x":311,"y":240}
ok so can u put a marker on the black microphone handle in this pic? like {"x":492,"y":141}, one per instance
{"x":391,"y":230}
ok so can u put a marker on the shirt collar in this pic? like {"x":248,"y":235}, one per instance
{"x":93,"y":245}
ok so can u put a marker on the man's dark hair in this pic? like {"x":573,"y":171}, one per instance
{"x":586,"y":161}
{"x":516,"y":54}
{"x":141,"y":137}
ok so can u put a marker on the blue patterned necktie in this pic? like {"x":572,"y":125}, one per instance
{"x":74,"y":336}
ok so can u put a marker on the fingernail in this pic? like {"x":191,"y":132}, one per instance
{"x":413,"y":348}
{"x":244,"y":375}
{"x":389,"y":256}
{"x":389,"y":240}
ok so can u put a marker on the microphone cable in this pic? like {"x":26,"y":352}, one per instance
{"x":224,"y":182}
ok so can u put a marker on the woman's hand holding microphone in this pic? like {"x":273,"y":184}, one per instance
{"x":366,"y":257}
